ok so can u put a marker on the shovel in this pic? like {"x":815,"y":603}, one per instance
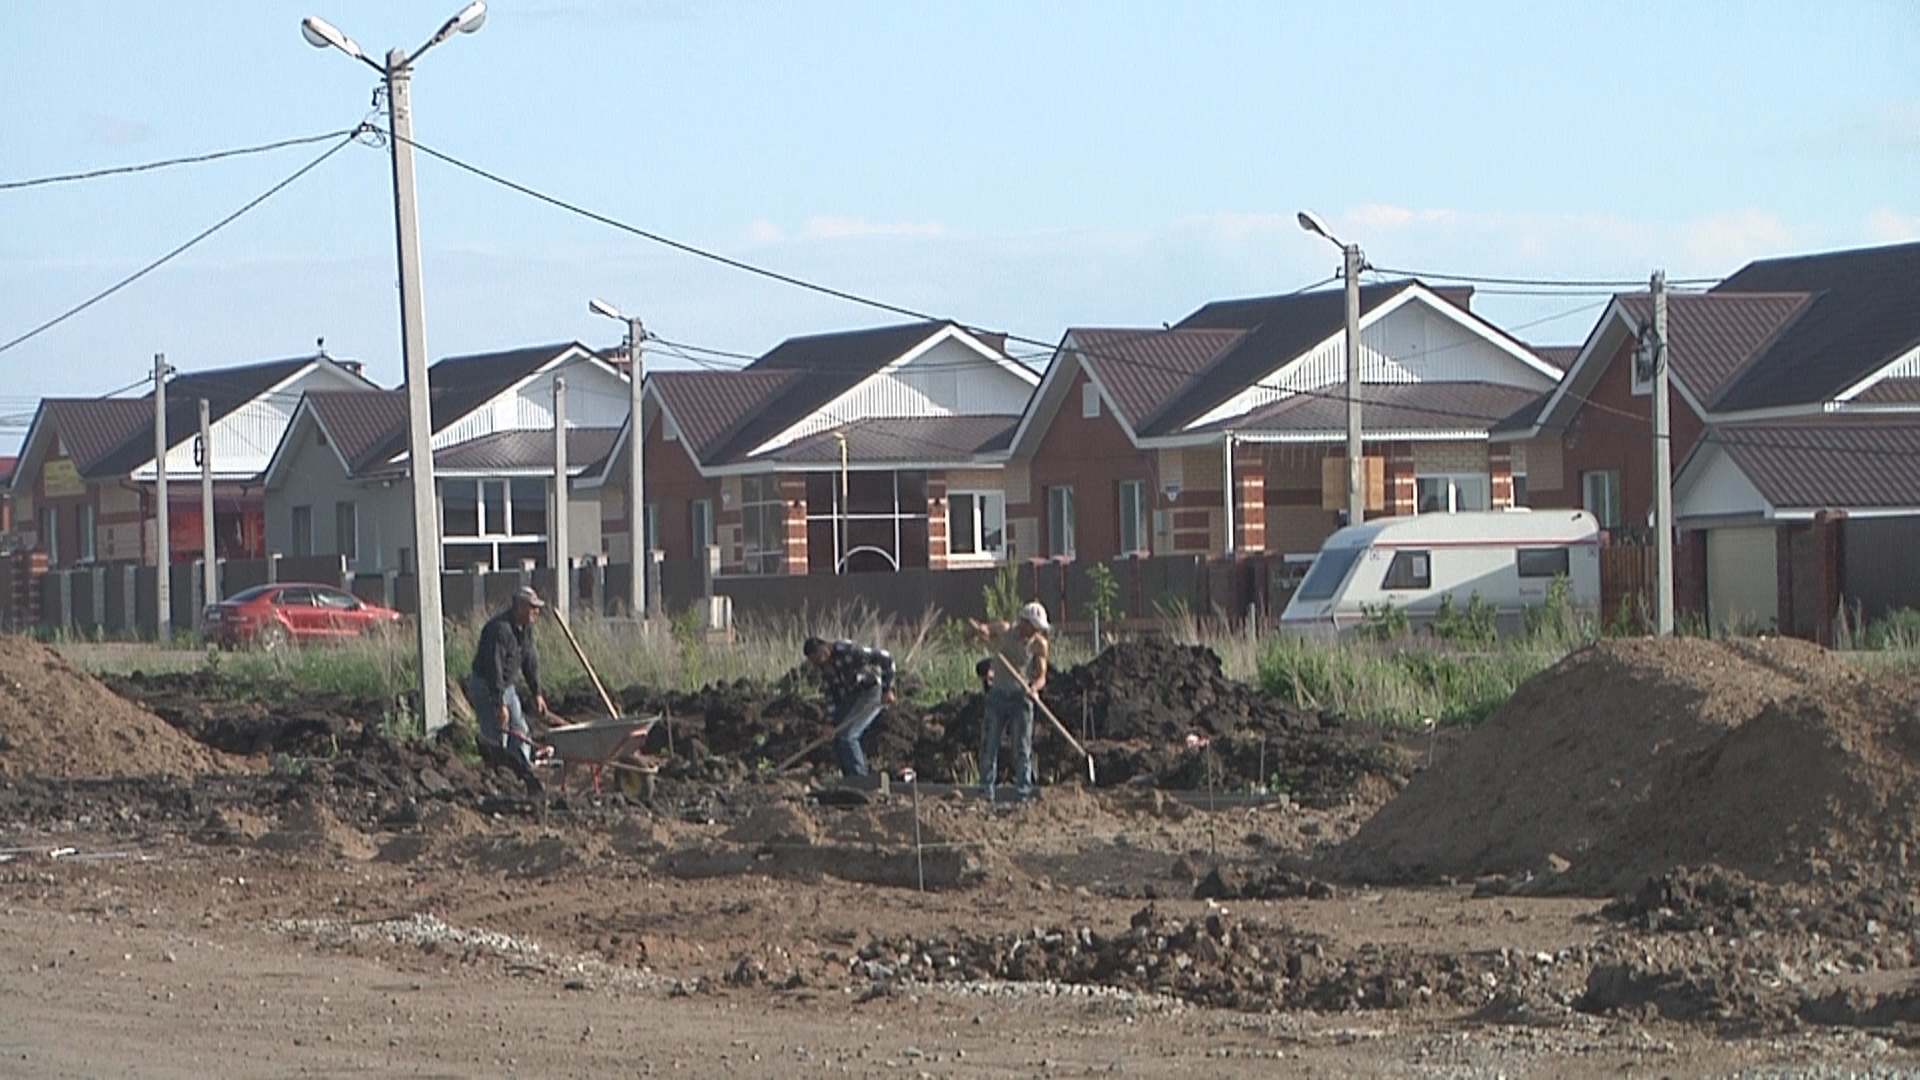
{"x":605,"y":698}
{"x":1052,"y":719}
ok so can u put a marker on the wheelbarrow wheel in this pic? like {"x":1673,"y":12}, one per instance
{"x":632,"y":784}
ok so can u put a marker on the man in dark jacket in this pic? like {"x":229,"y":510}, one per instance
{"x":505,"y":657}
{"x":858,"y":682}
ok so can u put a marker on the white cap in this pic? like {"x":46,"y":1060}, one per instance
{"x":1036,"y":615}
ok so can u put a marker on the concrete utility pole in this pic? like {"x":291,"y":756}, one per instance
{"x":162,"y":550}
{"x":398,"y":73}
{"x":562,"y":563}
{"x":1356,"y":463}
{"x":210,"y":566}
{"x":1662,"y":464}
{"x":636,"y":456}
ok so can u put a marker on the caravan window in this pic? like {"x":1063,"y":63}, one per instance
{"x":1409,"y":570}
{"x":1542,"y":562}
{"x":1329,"y":572}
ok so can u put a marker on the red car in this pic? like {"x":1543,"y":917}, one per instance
{"x":274,"y":616}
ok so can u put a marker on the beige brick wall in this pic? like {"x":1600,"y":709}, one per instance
{"x":975,"y":480}
{"x":1298,"y":530}
{"x":1449,"y":457}
{"x":1017,"y":481}
{"x":1542,"y":463}
{"x":1024,"y":534}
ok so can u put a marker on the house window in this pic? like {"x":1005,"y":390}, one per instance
{"x":1089,"y":400}
{"x":1520,"y":489}
{"x":499,"y":523}
{"x":300,"y":539}
{"x":83,"y":520}
{"x":878,"y":524}
{"x":1409,"y":570}
{"x":976,"y":523}
{"x":346,"y":530}
{"x":1060,"y":522}
{"x":763,"y":524}
{"x":1452,"y":493}
{"x":1133,"y":517}
{"x":1542,"y":562}
{"x":50,"y":534}
{"x":1600,"y":494}
{"x":700,"y":514}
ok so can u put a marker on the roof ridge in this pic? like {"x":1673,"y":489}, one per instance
{"x":1753,"y":358}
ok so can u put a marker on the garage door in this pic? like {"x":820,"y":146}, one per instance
{"x":1743,"y":585}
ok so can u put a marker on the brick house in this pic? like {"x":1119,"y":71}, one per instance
{"x":1815,"y":355}
{"x":866,"y":450}
{"x":84,"y":486}
{"x":1125,"y":449}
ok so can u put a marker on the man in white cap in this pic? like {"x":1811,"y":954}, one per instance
{"x":1020,"y":664}
{"x":504,"y":658}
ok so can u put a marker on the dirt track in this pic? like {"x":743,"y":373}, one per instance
{"x":324,"y":899}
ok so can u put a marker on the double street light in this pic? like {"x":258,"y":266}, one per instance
{"x":398,"y":74}
{"x":1354,"y":263}
{"x":636,"y":476}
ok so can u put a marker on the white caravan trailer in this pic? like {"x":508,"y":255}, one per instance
{"x":1508,"y":557}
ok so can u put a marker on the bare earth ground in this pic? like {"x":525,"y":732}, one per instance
{"x":169,"y":956}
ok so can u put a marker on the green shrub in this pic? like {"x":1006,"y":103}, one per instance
{"x":1897,"y":630}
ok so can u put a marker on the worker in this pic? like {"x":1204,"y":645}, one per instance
{"x":858,"y":682}
{"x":1020,"y":663}
{"x":505,"y":658}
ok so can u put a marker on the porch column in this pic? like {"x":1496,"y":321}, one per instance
{"x":1249,"y":499}
{"x":937,"y":543}
{"x":1500,"y":474}
{"x":793,"y":501}
{"x":1829,"y":567}
{"x":1401,"y":493}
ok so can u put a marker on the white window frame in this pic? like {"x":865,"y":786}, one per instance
{"x":1134,"y":521}
{"x":1610,"y":499}
{"x":50,"y":533}
{"x":300,"y":531}
{"x":86,"y":519}
{"x":1089,"y":401}
{"x":1454,"y":481}
{"x":1060,"y":529}
{"x":757,"y":493}
{"x":700,"y":525}
{"x":493,"y":535}
{"x":1519,"y":489}
{"x":987,"y":505}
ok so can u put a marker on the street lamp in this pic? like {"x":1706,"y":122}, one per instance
{"x":636,"y":457}
{"x":1355,"y":261}
{"x":398,"y":73}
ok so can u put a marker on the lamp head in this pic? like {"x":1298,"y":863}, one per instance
{"x":472,"y":17}
{"x":1311,"y":222}
{"x":321,"y":34}
{"x":601,"y":307}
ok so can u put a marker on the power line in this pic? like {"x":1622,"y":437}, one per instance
{"x":1542,"y":283}
{"x":171,"y":255}
{"x":196,"y":159}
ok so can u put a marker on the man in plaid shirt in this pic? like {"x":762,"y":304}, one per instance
{"x":858,"y":682}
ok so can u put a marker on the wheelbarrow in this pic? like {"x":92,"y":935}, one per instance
{"x":603,"y":744}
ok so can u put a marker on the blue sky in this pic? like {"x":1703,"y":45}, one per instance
{"x":1022,"y":166}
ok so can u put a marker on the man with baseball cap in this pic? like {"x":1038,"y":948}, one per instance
{"x":1020,"y":663}
{"x":504,"y":658}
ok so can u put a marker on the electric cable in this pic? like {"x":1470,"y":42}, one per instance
{"x":194,"y":159}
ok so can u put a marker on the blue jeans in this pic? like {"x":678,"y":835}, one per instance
{"x":853,"y":719}
{"x":1006,"y":711}
{"x":486,"y":706}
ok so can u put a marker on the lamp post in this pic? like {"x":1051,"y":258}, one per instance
{"x":398,"y":74}
{"x":1354,"y":263}
{"x":636,"y":456}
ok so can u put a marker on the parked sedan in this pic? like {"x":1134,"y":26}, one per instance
{"x":278,"y":615}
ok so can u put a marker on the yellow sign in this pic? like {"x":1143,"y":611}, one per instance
{"x":61,"y":477}
{"x":1333,"y":482}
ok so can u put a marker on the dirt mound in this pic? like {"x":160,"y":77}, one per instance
{"x":58,"y":721}
{"x":1597,"y":761}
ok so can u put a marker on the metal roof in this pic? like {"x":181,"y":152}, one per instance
{"x":1838,"y":461}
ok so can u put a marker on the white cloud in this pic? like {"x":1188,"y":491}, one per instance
{"x":1892,"y":226}
{"x":1735,"y":238}
{"x":763,"y":231}
{"x":844,"y":228}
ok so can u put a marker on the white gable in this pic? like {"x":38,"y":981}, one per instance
{"x":1906,"y":366}
{"x":596,"y":398}
{"x":947,"y":375}
{"x":1413,"y":338}
{"x":244,"y":440}
{"x":1712,"y":486}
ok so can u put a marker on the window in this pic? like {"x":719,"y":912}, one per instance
{"x":298,"y":596}
{"x":1060,"y":522}
{"x":1520,"y":489}
{"x":346,"y":530}
{"x":1089,"y":400}
{"x":503,"y":521}
{"x":976,"y":523}
{"x":763,"y":524}
{"x":50,"y":534}
{"x":879,"y":524}
{"x":1600,"y":494}
{"x":1542,"y":562}
{"x":300,"y":538}
{"x":652,"y":536}
{"x":1328,"y":573}
{"x":1452,"y":493}
{"x":83,"y":521}
{"x":529,"y":504}
{"x":1133,"y":517}
{"x":1409,"y":570}
{"x":700,"y":514}
{"x":335,"y":600}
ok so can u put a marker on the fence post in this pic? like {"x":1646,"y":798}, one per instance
{"x":654,"y":604}
{"x":273,"y":567}
{"x":100,"y":596}
{"x":197,"y":587}
{"x":390,"y":586}
{"x":66,"y":600}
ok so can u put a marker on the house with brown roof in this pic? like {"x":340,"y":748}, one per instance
{"x":84,"y":486}
{"x":1225,"y":432}
{"x":1795,"y":396}
{"x":337,"y":482}
{"x":866,"y":450}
